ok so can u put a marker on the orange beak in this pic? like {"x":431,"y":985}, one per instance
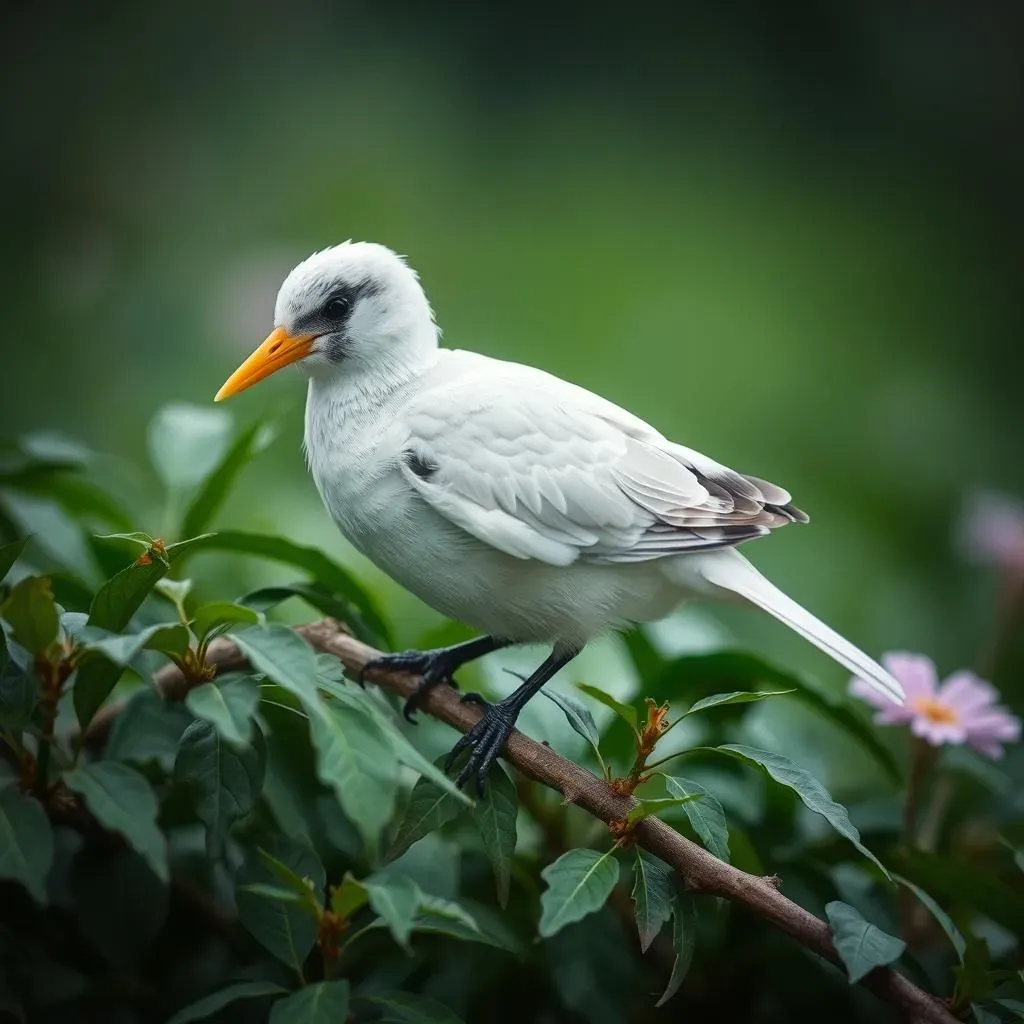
{"x":278,"y":350}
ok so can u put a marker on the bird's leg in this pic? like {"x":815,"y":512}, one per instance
{"x":433,"y":667}
{"x":485,"y":740}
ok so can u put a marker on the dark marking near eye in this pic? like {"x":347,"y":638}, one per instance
{"x":423,"y":468}
{"x":334,"y":308}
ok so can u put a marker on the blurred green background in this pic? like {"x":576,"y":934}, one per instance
{"x":786,"y":234}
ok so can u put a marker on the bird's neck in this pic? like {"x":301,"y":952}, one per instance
{"x":357,"y":397}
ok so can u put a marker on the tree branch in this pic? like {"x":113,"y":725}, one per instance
{"x":701,"y":871}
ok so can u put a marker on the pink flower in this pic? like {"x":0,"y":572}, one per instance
{"x":992,"y":531}
{"x":962,"y":710}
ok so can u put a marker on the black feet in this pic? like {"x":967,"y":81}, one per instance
{"x":484,"y":741}
{"x":432,"y":666}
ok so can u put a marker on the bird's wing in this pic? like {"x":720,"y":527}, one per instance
{"x":541,"y":469}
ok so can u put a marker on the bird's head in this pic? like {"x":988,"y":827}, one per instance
{"x":350,"y":310}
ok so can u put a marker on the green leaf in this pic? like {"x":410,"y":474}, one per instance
{"x":208,"y":1006}
{"x":225,"y":781}
{"x":273,"y":892}
{"x":327,"y":573}
{"x":304,"y":889}
{"x":363,"y":701}
{"x":26,"y":842}
{"x":32,"y":614}
{"x":148,"y":729}
{"x":428,"y":809}
{"x":348,"y":897}
{"x":325,"y":1002}
{"x":814,"y":795}
{"x":53,"y":531}
{"x":54,"y":448}
{"x":495,"y":815}
{"x":140,"y":537}
{"x":707,"y":817}
{"x":684,"y":940}
{"x":18,"y":694}
{"x":122,"y":801}
{"x":861,"y":945}
{"x":945,"y":921}
{"x":352,"y":757}
{"x":735,"y":697}
{"x":76,"y":496}
{"x":448,"y":917}
{"x":410,"y":1008}
{"x":218,"y":616}
{"x":578,"y":716}
{"x":625,"y":711}
{"x":975,"y":978}
{"x":9,"y":554}
{"x":286,"y":930}
{"x":317,"y":596}
{"x":176,"y":591}
{"x":93,"y":682}
{"x":210,"y":496}
{"x":186,"y":442}
{"x":170,"y":640}
{"x":578,"y":883}
{"x":1015,"y":1006}
{"x":649,"y":807}
{"x":694,"y":675}
{"x":283,"y":657}
{"x":119,"y":648}
{"x":229,"y":705}
{"x":960,"y":881}
{"x":121,"y":597}
{"x":653,"y":891}
{"x":396,"y":900}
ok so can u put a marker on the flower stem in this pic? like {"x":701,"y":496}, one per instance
{"x":922,"y":756}
{"x":928,"y":835}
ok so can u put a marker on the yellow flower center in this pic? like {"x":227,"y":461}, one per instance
{"x":935,"y":711}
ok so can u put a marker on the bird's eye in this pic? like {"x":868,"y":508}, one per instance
{"x":336,"y":307}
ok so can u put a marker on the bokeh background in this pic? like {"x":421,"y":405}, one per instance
{"x":787,"y":234}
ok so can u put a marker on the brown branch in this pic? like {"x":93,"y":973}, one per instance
{"x":701,"y":871}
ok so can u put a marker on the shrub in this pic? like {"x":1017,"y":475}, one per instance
{"x":203,"y":817}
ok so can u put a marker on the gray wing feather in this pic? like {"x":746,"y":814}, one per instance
{"x":577,"y":480}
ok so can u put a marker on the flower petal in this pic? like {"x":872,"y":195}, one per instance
{"x":866,"y":692}
{"x":995,"y":723}
{"x":992,"y":531}
{"x":990,"y":748}
{"x":937,"y":733}
{"x":967,"y":692}
{"x":915,"y":671}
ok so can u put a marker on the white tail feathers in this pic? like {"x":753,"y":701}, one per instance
{"x":731,"y":571}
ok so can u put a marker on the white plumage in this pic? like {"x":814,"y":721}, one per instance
{"x":501,"y":495}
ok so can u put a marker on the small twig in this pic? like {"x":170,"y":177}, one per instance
{"x":701,"y":871}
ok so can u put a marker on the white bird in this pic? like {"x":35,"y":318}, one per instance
{"x":502,"y":496}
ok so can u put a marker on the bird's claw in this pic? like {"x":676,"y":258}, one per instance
{"x":484,"y":742}
{"x":431,"y":666}
{"x":416,"y":698}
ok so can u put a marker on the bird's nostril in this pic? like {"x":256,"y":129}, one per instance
{"x":275,"y":346}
